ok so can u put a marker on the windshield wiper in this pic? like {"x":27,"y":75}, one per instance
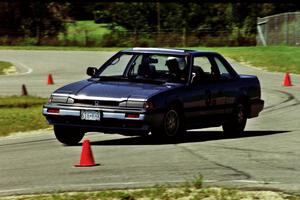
{"x":112,"y":78}
{"x":146,"y":80}
{"x":131,"y":79}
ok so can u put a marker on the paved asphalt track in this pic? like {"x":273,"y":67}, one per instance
{"x":266,"y":156}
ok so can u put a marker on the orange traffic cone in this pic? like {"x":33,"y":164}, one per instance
{"x":86,"y":158}
{"x":24,"y":90}
{"x":50,"y":80}
{"x":287,"y":80}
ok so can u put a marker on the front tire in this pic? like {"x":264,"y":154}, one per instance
{"x":68,"y":135}
{"x":237,"y":122}
{"x":171,"y":126}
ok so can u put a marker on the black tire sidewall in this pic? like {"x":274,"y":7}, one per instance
{"x":233,"y":126}
{"x":68,"y":135}
{"x":161,"y":132}
{"x":177,"y":128}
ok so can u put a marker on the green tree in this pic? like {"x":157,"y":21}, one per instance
{"x":234,"y":20}
{"x":34,"y":18}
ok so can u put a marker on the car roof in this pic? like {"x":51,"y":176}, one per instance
{"x":168,"y":51}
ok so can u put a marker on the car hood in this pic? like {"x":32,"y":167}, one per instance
{"x":113,"y":89}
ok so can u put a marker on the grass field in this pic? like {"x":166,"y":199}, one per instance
{"x":3,"y":66}
{"x":276,"y":58}
{"x":21,"y":114}
{"x":81,"y":31}
{"x":62,"y":48}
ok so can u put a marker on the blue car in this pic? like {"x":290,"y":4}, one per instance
{"x":155,"y":91}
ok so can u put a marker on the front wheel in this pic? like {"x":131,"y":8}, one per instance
{"x":237,"y":122}
{"x":68,"y":135}
{"x":171,"y":126}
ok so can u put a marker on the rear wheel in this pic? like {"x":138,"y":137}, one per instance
{"x":68,"y":135}
{"x":237,"y":122}
{"x":171,"y":126}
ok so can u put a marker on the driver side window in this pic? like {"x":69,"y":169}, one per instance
{"x":135,"y":66}
{"x":117,"y":66}
{"x":201,"y":70}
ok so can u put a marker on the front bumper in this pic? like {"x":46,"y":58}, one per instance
{"x":113,"y":120}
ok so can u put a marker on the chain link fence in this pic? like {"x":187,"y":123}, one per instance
{"x":177,"y":38}
{"x":122,"y":38}
{"x":172,"y":38}
{"x":280,"y":29}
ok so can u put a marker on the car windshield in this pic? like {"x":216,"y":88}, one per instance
{"x":146,"y":67}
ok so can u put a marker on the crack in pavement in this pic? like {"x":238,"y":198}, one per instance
{"x":253,"y":150}
{"x":201,"y":157}
{"x":266,"y":163}
{"x":250,"y":156}
{"x":28,"y":142}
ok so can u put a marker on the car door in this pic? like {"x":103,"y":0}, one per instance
{"x":226,"y":82}
{"x":205,"y":94}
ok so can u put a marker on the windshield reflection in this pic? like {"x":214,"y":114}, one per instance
{"x":146,"y":68}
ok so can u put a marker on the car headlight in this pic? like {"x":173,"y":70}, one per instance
{"x":58,"y":99}
{"x":70,"y":100}
{"x":132,"y":104}
{"x":135,"y":104}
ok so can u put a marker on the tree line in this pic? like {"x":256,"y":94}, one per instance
{"x":46,"y":19}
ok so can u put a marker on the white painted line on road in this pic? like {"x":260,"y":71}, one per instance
{"x":247,"y":181}
{"x":122,"y":184}
{"x":178,"y":181}
{"x":13,"y":190}
{"x":115,"y":184}
{"x":28,"y":70}
{"x":72,"y":186}
{"x":254,"y":181}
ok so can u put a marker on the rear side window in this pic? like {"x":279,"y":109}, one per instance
{"x":222,"y":69}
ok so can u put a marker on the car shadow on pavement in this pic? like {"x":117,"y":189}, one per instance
{"x":190,"y":137}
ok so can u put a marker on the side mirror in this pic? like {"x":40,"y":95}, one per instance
{"x":91,"y":71}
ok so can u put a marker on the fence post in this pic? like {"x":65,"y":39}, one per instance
{"x":262,"y":36}
{"x":158,"y":15}
{"x":184,"y":36}
{"x":294,"y":29}
{"x":85,"y":37}
{"x":286,"y":28}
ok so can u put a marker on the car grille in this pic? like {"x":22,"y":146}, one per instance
{"x":96,"y":102}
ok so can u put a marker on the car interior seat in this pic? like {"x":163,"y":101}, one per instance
{"x":146,"y":70}
{"x":198,"y":73}
{"x":173,"y":67}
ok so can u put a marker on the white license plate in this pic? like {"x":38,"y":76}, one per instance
{"x":90,"y":115}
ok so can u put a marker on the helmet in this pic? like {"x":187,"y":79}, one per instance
{"x":181,"y":63}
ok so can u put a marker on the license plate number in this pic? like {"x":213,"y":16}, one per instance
{"x":90,"y":115}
